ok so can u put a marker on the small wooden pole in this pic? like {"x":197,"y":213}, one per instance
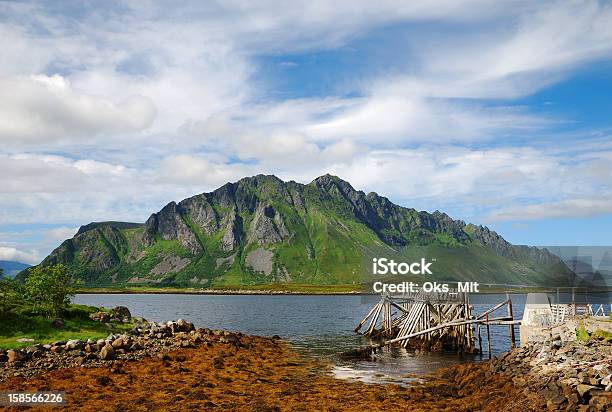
{"x":488,"y":337}
{"x":479,"y":340}
{"x":511,"y":327}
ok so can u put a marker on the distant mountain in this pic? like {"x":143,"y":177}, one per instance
{"x":263,"y":230}
{"x":11,"y":268}
{"x":591,"y":264}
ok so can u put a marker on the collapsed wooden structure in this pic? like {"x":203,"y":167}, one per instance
{"x":434,"y":322}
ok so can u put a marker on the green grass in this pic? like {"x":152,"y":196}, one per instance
{"x":14,"y":326}
{"x":601,"y":334}
{"x":582,"y":334}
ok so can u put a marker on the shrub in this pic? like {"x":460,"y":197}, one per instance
{"x":48,"y":289}
{"x":11,"y":294}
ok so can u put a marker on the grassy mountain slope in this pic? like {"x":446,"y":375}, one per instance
{"x":262,"y":230}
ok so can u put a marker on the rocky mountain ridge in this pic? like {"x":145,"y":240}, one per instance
{"x":263,"y":230}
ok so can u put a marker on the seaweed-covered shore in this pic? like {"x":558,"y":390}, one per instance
{"x":179,"y":367}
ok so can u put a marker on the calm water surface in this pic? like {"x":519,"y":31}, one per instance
{"x":318,"y":325}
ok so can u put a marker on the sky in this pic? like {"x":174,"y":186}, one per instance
{"x":497,"y":113}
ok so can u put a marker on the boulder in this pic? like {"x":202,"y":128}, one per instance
{"x":74,"y":344}
{"x":103,"y":317}
{"x":184,"y":326}
{"x":107,"y":352}
{"x":58,"y":323}
{"x":16,"y":356}
{"x":120,"y":342}
{"x":34,"y":348}
{"x":121,"y":312}
{"x":584,"y":389}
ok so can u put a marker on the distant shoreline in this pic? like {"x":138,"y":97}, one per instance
{"x":269,"y":292}
{"x":93,"y":291}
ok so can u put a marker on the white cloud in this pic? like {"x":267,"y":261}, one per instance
{"x":9,"y":253}
{"x":40,"y":108}
{"x":187,"y":170}
{"x":48,"y":174}
{"x":579,"y":207}
{"x":114,"y":111}
{"x":61,"y":233}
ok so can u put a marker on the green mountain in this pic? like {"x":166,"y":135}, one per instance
{"x":262,"y":230}
{"x":12,"y":268}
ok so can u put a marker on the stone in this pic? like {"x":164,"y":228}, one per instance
{"x":182,"y":325}
{"x":16,"y":356}
{"x":595,"y":381}
{"x":74,"y":344}
{"x":34,"y":348}
{"x":121,"y":312}
{"x":119,"y":343}
{"x":107,"y":352}
{"x":58,"y":323}
{"x":584,"y":389}
{"x":103,"y":317}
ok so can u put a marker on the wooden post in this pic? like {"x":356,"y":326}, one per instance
{"x":488,"y":337}
{"x":511,"y":327}
{"x":479,"y":341}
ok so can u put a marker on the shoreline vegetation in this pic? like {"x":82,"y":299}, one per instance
{"x":288,"y":289}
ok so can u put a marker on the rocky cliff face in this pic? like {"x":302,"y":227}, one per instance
{"x":261,"y":229}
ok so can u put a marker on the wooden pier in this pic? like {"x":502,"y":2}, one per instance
{"x":434,"y":322}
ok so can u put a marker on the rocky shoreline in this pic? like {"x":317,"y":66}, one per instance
{"x":567,"y":376}
{"x":146,"y":339}
{"x":176,"y":366}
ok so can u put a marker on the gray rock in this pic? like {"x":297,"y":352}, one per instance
{"x":120,"y":342}
{"x":74,"y":344}
{"x":107,"y":352}
{"x":58,"y":323}
{"x":16,"y":356}
{"x":584,"y":389}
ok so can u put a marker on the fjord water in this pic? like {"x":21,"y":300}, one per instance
{"x":320,"y":325}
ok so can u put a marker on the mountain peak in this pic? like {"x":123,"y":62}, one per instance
{"x":262,"y":229}
{"x":328,"y":181}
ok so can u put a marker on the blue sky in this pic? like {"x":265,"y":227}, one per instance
{"x":496,"y":113}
